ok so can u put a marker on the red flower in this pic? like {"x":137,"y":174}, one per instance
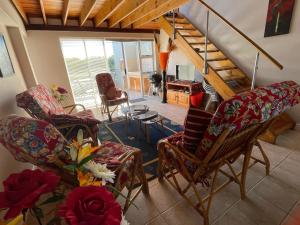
{"x":62,"y":91}
{"x":22,"y":190}
{"x":91,"y":205}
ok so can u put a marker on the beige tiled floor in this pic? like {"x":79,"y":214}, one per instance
{"x":271,"y":200}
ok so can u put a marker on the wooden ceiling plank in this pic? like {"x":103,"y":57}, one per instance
{"x":160,"y":10}
{"x":108,"y":8}
{"x":20,"y":10}
{"x":127,"y":8}
{"x":43,"y":10}
{"x":66,"y":11}
{"x":86,"y":10}
{"x":147,"y":8}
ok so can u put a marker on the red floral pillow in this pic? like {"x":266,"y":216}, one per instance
{"x":111,"y":93}
{"x":196,"y":123}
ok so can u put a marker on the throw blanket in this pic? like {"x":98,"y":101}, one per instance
{"x":249,"y":108}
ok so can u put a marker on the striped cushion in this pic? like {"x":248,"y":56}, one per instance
{"x":196,"y":123}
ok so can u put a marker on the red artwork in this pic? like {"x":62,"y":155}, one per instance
{"x":279,"y":17}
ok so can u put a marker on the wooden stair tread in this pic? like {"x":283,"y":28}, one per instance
{"x":209,"y":50}
{"x":232,"y":74}
{"x":185,"y":29}
{"x":231,"y":77}
{"x":224,"y":68}
{"x":217,"y":59}
{"x":192,"y":36}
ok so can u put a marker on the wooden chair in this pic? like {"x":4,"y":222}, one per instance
{"x":109,"y":94}
{"x":39,"y":103}
{"x":232,"y":133}
{"x":41,"y":144}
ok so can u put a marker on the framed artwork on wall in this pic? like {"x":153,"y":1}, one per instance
{"x":6,"y":67}
{"x":279,"y":17}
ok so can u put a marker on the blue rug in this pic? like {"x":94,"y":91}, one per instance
{"x":129,"y":133}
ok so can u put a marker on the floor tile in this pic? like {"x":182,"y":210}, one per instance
{"x":182,"y":214}
{"x":278,"y":193}
{"x":157,"y":221}
{"x":164,"y":196}
{"x":259,"y":210}
{"x":144,"y":211}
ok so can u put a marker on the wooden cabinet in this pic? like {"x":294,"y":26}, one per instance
{"x":178,"y":92}
{"x":178,"y":98}
{"x":183,"y":99}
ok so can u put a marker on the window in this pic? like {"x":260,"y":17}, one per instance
{"x":147,"y":56}
{"x":85,"y":58}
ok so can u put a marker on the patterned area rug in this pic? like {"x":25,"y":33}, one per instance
{"x":129,"y":133}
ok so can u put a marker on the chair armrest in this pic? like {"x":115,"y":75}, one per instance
{"x":73,"y":107}
{"x":184,"y":154}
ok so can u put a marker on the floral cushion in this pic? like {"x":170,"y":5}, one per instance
{"x":35,"y":141}
{"x":31,"y":140}
{"x":82,"y":117}
{"x":249,"y":108}
{"x":106,"y":86}
{"x":40,"y":102}
{"x":109,"y":154}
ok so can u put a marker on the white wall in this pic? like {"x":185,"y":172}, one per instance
{"x":9,"y":87}
{"x":250,"y":17}
{"x":47,"y":58}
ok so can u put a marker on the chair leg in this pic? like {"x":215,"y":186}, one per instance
{"x":247,"y":158}
{"x":160,"y":162}
{"x":264,"y":155}
{"x":141,"y":174}
{"x":108,"y":113}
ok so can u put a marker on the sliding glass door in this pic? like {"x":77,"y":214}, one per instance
{"x":133,"y":70}
{"x":129,"y":62}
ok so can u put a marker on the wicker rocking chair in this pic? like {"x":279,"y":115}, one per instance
{"x":109,"y":94}
{"x":41,"y":144}
{"x":39,"y":103}
{"x":231,"y":133}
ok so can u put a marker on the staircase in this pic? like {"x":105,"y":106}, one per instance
{"x":222,"y":73}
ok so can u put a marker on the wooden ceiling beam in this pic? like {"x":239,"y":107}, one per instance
{"x":147,"y":8}
{"x":43,"y":11}
{"x":86,"y":10}
{"x":108,"y":8}
{"x":20,"y":10}
{"x":127,"y":8}
{"x":66,"y":11}
{"x":159,"y":11}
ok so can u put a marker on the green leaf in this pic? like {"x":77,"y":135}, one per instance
{"x":86,"y":159}
{"x":71,"y":167}
{"x":80,"y":136}
{"x":53,"y":199}
{"x":53,"y":221}
{"x":120,"y":193}
{"x":38,"y":212}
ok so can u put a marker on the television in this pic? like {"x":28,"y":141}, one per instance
{"x":185,"y":72}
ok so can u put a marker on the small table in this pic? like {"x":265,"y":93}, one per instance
{"x":143,"y":115}
{"x":148,"y":118}
{"x":134,"y":110}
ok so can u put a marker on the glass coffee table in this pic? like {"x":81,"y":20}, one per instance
{"x":144,"y":117}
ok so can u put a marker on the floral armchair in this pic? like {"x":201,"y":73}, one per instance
{"x":40,"y":143}
{"x":231,"y":132}
{"x":39,"y":103}
{"x":109,"y":94}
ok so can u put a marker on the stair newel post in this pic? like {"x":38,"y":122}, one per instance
{"x":205,"y":70}
{"x":174,"y":28}
{"x":255,"y":70}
